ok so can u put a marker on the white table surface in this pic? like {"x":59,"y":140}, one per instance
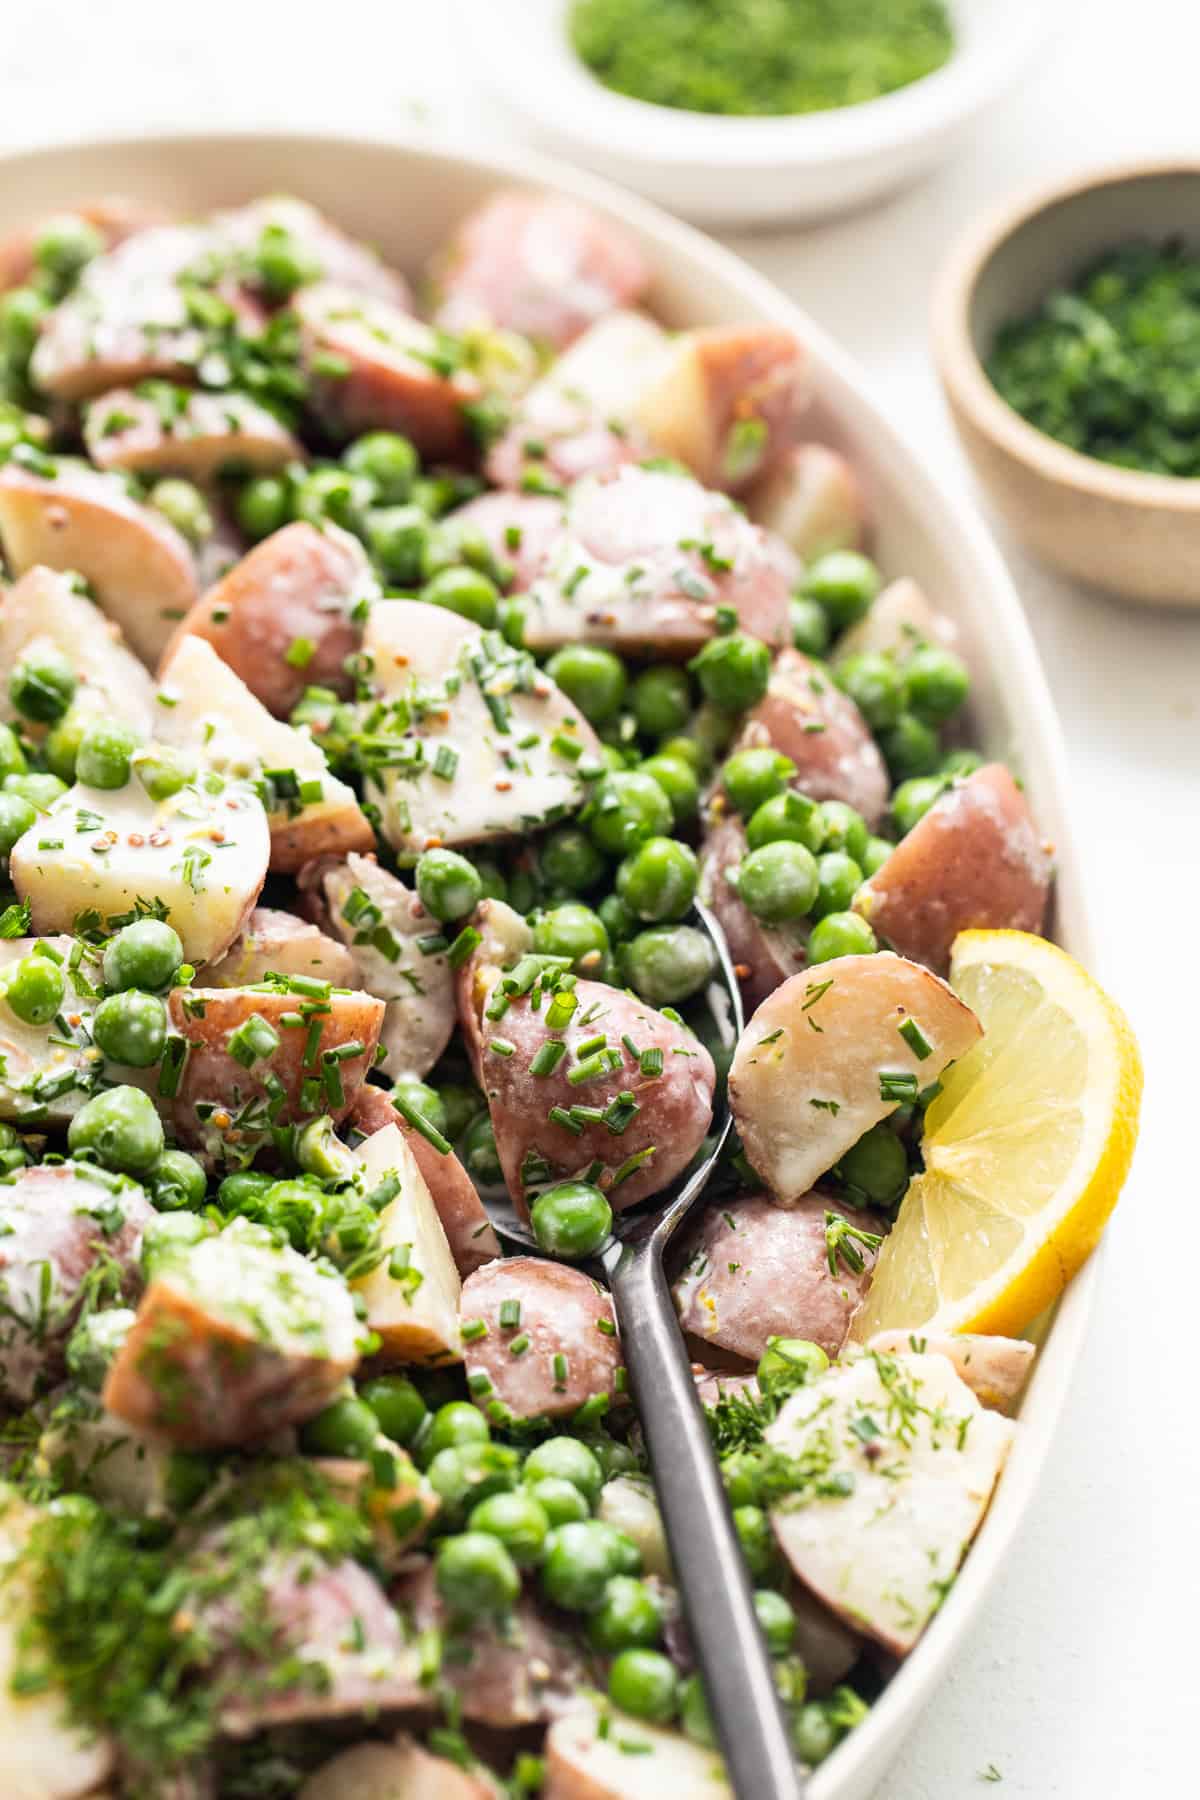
{"x":1080,"y":1677}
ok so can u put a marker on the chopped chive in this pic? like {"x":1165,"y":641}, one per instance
{"x":474,"y":1329}
{"x":898,"y":1087}
{"x":467,"y":940}
{"x":560,"y":1371}
{"x":502,"y":1046}
{"x":589,"y":1044}
{"x":631,"y":1165}
{"x":558,"y":1115}
{"x":916,"y":1040}
{"x":445,"y":762}
{"x":479,"y":1382}
{"x":607,"y":1327}
{"x":510,"y":1315}
{"x":592,"y":1410}
{"x":419,"y":1122}
{"x":651,"y":1061}
{"x":519,"y":1345}
{"x":592,"y":1068}
{"x":547,"y":1057}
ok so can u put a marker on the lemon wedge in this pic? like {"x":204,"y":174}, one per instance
{"x":1026,"y":1147}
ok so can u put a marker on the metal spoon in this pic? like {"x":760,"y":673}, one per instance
{"x":709,"y":1568}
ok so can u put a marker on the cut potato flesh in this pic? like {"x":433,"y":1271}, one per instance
{"x":205,"y":706}
{"x":45,"y":607}
{"x":833,"y":1051}
{"x":994,"y":1368}
{"x":921,"y":1457}
{"x":401,"y":1770}
{"x":45,"y":1080}
{"x":197,"y":434}
{"x":278,"y":943}
{"x":596,"y":1753}
{"x":412,"y":1296}
{"x":726,"y":400}
{"x":899,"y":620}
{"x":202,"y":855}
{"x":628,"y":1504}
{"x":813,"y":500}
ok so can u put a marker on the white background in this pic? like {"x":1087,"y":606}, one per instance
{"x":1080,"y":1679}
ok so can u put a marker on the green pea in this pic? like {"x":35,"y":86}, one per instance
{"x":618,"y":918}
{"x":572,"y":930}
{"x":936,"y":683}
{"x":838,"y":880}
{"x":479,"y":1154}
{"x":910,"y":747}
{"x":517,"y":1520}
{"x":779,"y":883}
{"x":469,"y":545}
{"x":913,"y":799}
{"x":189,"y":1474}
{"x":475,"y":1574}
{"x":282,"y":263}
{"x":876,"y":1166}
{"x":105,"y":750}
{"x":630,"y":1617}
{"x":426,"y":1100}
{"x":580,"y":1561}
{"x":643,"y":1683}
{"x":789,"y":1363}
{"x":65,"y":245}
{"x":42,"y":685}
{"x":566,"y":1459}
{"x":814,"y":1735}
{"x":958,"y":764}
{"x":145,"y":954}
{"x":694,"y":1713}
{"x":668,"y":963}
{"x":875,"y":685}
{"x":678,"y":782}
{"x":752,"y":777}
{"x":754,"y":1535}
{"x":840,"y":934}
{"x":388,"y":461}
{"x":448,"y":886}
{"x":22,"y":310}
{"x":741,"y":1472}
{"x":614,"y":1457}
{"x":514,"y":614}
{"x":733,"y":671}
{"x":686,"y":750}
{"x":131,"y":1027}
{"x":398,"y":538}
{"x":293,"y":1210}
{"x":16,"y":817}
{"x":845,"y":829}
{"x":843,"y":583}
{"x":121,"y":1129}
{"x":243,"y":1192}
{"x":626,"y":808}
{"x":183,"y":505}
{"x":810,"y":627}
{"x":776,"y":1620}
{"x":492,"y":878}
{"x":397,"y":1405}
{"x":712,"y":732}
{"x":459,"y":1106}
{"x":264,"y":506}
{"x":60,"y":747}
{"x":658,"y":879}
{"x":571,"y":1220}
{"x":170,"y":1236}
{"x":12,"y":757}
{"x":346,"y":1427}
{"x":570,"y":860}
{"x":332,"y":495}
{"x":455,"y":1424}
{"x":34,"y":989}
{"x":878,"y":851}
{"x":178,"y":1181}
{"x":560,"y":1500}
{"x":661,"y":700}
{"x":592,"y":678}
{"x":467,"y":592}
{"x":464,"y":1474}
{"x":787,"y":818}
{"x":41,"y":790}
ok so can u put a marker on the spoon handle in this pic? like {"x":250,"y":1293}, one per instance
{"x":713,"y":1582}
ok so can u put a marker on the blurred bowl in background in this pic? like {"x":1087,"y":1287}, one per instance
{"x":721,"y":170}
{"x":1132,"y":534}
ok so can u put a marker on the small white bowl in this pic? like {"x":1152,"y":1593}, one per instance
{"x":720,"y":170}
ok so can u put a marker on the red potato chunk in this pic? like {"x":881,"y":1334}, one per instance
{"x":755,"y":1270}
{"x":518,"y":529}
{"x":564,"y":1313}
{"x":399,"y":1770}
{"x":222,"y":1104}
{"x":334,"y":256}
{"x":234,"y":1337}
{"x":46,"y":604}
{"x":300,"y":586}
{"x":807,"y":1076}
{"x":198,"y":435}
{"x":61,"y":1229}
{"x":813,"y":500}
{"x":976,"y":860}
{"x":899,"y":620}
{"x":727,"y":402}
{"x":994,"y":1368}
{"x":278,"y":943}
{"x":30,"y":1055}
{"x":140,"y":569}
{"x":643,"y":561}
{"x":372,"y":367}
{"x":538,"y":264}
{"x":806,"y":717}
{"x":115,"y":216}
{"x":469,"y":1232}
{"x":762,"y":955}
{"x":595,"y":1753}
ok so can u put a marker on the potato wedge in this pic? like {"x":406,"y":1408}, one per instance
{"x":628,"y":1504}
{"x":197,"y":434}
{"x":334,"y":255}
{"x":115,"y":216}
{"x":300,"y":586}
{"x":597,"y":1753}
{"x":994,"y":1368}
{"x":882,"y":1555}
{"x":412,"y":1296}
{"x":726,"y":402}
{"x":400,"y":1770}
{"x":468,"y":1229}
{"x":479,"y":699}
{"x":235,"y":1337}
{"x":573,"y":1351}
{"x":278,"y":943}
{"x":45,"y":606}
{"x":806,"y":717}
{"x":44,"y":1081}
{"x":517,"y":528}
{"x":205,"y":706}
{"x":140,"y":569}
{"x":812,"y":499}
{"x":825,"y":1058}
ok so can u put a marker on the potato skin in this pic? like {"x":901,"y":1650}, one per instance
{"x":762,"y":956}
{"x":813,"y":499}
{"x":536,"y":518}
{"x":975,"y":861}
{"x":563,"y":1312}
{"x":755,"y":1270}
{"x":207,"y":1018}
{"x":126,"y":430}
{"x":115,"y":216}
{"x":838,"y":762}
{"x":300,"y":583}
{"x":275,"y":942}
{"x":468,"y":1229}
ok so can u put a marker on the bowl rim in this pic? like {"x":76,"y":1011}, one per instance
{"x":965,"y":379}
{"x":589,"y":114}
{"x":861,"y":1758}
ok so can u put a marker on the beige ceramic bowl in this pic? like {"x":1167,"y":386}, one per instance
{"x":1137,"y":536}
